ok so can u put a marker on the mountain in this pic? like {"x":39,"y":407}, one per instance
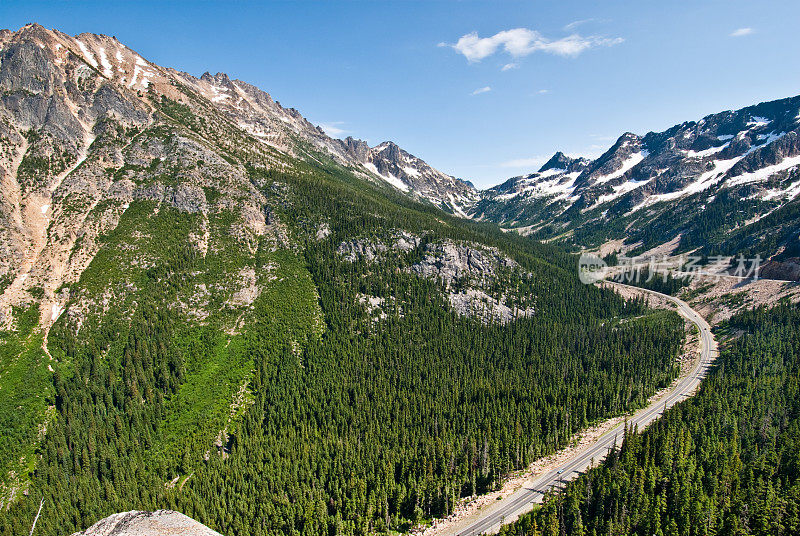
{"x":726,"y":184}
{"x":256,"y":112}
{"x":409,"y":174}
{"x":210,"y":306}
{"x":56,"y":126}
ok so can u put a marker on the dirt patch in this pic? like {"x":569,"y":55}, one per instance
{"x":662,"y":250}
{"x":612,"y":246}
{"x":719,"y":298}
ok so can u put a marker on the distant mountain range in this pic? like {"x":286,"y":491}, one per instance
{"x":726,"y":184}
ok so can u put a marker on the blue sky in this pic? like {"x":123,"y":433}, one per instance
{"x":480,"y":90}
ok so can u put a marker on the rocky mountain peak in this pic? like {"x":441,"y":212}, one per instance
{"x":627,"y":140}
{"x":416,"y":177}
{"x":564,"y":162}
{"x":358,"y":149}
{"x":389,"y":150}
{"x":219,"y":78}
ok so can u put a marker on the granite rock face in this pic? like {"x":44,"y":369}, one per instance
{"x":450,"y":261}
{"x":469,"y":274}
{"x":158,"y":523}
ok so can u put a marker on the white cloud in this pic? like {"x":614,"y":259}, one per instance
{"x":332,"y":128}
{"x":509,"y":66}
{"x":574,"y":24}
{"x":543,"y":91}
{"x":521,"y":42}
{"x":485,"y":89}
{"x":533,"y":161}
{"x":741,"y":32}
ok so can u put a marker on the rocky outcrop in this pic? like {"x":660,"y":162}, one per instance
{"x":452,"y":262}
{"x":469,"y":274}
{"x":371,"y":249}
{"x":158,"y":523}
{"x":479,"y":304}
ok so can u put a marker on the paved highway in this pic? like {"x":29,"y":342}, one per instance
{"x":533,"y":491}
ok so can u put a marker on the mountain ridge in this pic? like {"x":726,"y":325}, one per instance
{"x":747,"y":148}
{"x":702,"y":184}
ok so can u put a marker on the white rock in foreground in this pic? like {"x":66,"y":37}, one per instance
{"x":158,"y":523}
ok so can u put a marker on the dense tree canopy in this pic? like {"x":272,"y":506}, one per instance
{"x":726,"y":462}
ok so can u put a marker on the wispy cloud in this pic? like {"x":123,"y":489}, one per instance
{"x":543,"y":92}
{"x":333,"y":128}
{"x":603,"y":137}
{"x":574,"y":24}
{"x":509,"y":66}
{"x":520,"y":42}
{"x":741,"y":32}
{"x":485,"y":89}
{"x":530,"y":162}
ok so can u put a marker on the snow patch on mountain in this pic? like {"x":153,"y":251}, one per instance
{"x":702,"y":182}
{"x":411,"y":171}
{"x":108,"y":72}
{"x":788,"y":193}
{"x":765,"y":172}
{"x":391,"y":179}
{"x":620,"y":190}
{"x":628,"y":164}
{"x":557,"y":185}
{"x":758,"y":121}
{"x":706,"y":152}
{"x":87,"y":55}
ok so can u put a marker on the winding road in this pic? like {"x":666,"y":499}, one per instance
{"x":511,"y":507}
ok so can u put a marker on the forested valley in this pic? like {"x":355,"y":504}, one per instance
{"x":341,"y":423}
{"x":726,"y":462}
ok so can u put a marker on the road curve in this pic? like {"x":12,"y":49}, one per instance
{"x":533,"y":491}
